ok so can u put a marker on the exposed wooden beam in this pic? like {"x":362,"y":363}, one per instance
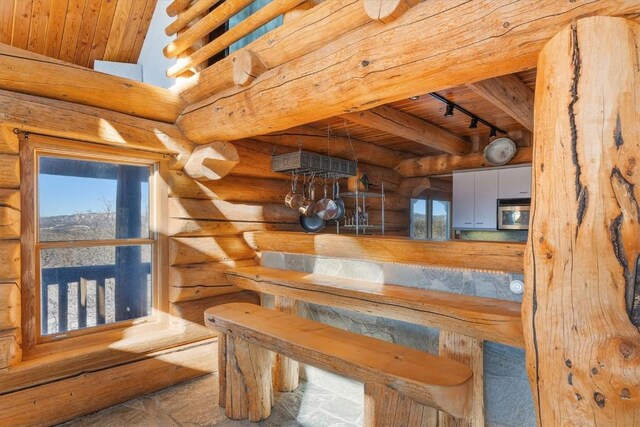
{"x":436,"y":165}
{"x":73,"y":121}
{"x":33,"y":74}
{"x":375,"y":64}
{"x":395,"y":122}
{"x":212,"y":161}
{"x":312,"y":139}
{"x":177,"y":6}
{"x":581,"y":307}
{"x":295,"y":38}
{"x":510,"y":94}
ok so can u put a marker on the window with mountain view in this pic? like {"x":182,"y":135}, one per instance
{"x":430,"y":219}
{"x":94,"y":245}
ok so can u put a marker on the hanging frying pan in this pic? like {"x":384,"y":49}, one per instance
{"x":312,"y":224}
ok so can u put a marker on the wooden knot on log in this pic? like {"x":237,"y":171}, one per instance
{"x":212,"y":162}
{"x":247,"y":66}
{"x":387,"y":11}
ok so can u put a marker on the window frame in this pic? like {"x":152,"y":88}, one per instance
{"x":428,"y":201}
{"x":35,"y":146}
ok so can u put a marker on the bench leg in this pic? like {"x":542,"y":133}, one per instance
{"x":222,"y":369}
{"x":385,"y":407}
{"x":286,"y":371}
{"x":470,"y":351}
{"x":248,"y":380}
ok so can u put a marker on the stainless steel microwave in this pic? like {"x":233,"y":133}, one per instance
{"x":513,"y":214}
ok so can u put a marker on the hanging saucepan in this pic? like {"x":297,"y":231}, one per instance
{"x":309,"y":206}
{"x":326,"y":208}
{"x":312,"y":224}
{"x":338,"y":201}
{"x":293,"y":199}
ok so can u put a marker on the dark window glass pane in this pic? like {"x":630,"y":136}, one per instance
{"x":88,"y":286}
{"x":86,"y":200}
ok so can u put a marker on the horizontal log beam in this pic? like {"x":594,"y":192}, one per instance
{"x":376,"y":64}
{"x":316,"y":140}
{"x":68,"y":120}
{"x":412,"y":128}
{"x":33,"y":74}
{"x":313,"y":30}
{"x":436,"y":165}
{"x":509,"y":94}
{"x":497,"y":256}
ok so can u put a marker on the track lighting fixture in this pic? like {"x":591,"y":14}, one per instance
{"x":415,"y":98}
{"x":493,"y":133}
{"x":449,"y":111}
{"x":474,"y":119}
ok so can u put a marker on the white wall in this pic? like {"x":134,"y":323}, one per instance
{"x":154,"y":64}
{"x":120,"y":69}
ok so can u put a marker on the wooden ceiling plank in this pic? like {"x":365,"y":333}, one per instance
{"x":395,"y":122}
{"x":374,"y":65}
{"x":134,"y":21}
{"x":510,"y":94}
{"x":39,"y":25}
{"x":103,"y":29}
{"x":437,"y":165}
{"x":55,"y":28}
{"x":72,"y":24}
{"x":21,"y":23}
{"x":6,"y":20}
{"x":87,"y":31}
{"x":118,"y":29}
{"x":143,"y":28}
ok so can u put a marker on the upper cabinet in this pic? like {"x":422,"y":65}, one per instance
{"x":463,"y":199}
{"x":514,"y":183}
{"x":475,"y":196}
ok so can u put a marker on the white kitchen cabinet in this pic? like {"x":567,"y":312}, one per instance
{"x":463,"y":199}
{"x":514,"y":183}
{"x":485,"y":200}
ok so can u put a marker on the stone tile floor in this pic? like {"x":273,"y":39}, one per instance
{"x":194,"y":403}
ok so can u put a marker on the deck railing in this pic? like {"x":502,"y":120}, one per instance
{"x":77,"y":297}
{"x":203,"y":32}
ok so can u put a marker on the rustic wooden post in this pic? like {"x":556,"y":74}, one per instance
{"x":385,"y":407}
{"x":582,"y":302}
{"x":248,"y":380}
{"x":286,"y":371}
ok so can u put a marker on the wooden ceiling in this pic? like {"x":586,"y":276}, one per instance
{"x":77,"y":31}
{"x":432,"y":110}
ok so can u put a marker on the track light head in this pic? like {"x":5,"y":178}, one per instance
{"x":493,"y":133}
{"x":474,"y":123}
{"x":449,"y":110}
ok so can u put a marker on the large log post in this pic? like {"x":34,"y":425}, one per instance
{"x":581,"y":308}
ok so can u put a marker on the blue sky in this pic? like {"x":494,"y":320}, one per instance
{"x":419,"y":207}
{"x":64,"y":195}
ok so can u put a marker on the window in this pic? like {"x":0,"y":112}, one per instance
{"x":430,"y":219}
{"x":95,"y":240}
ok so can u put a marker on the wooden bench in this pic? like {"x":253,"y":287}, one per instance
{"x":402,"y":385}
{"x":482,"y":318}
